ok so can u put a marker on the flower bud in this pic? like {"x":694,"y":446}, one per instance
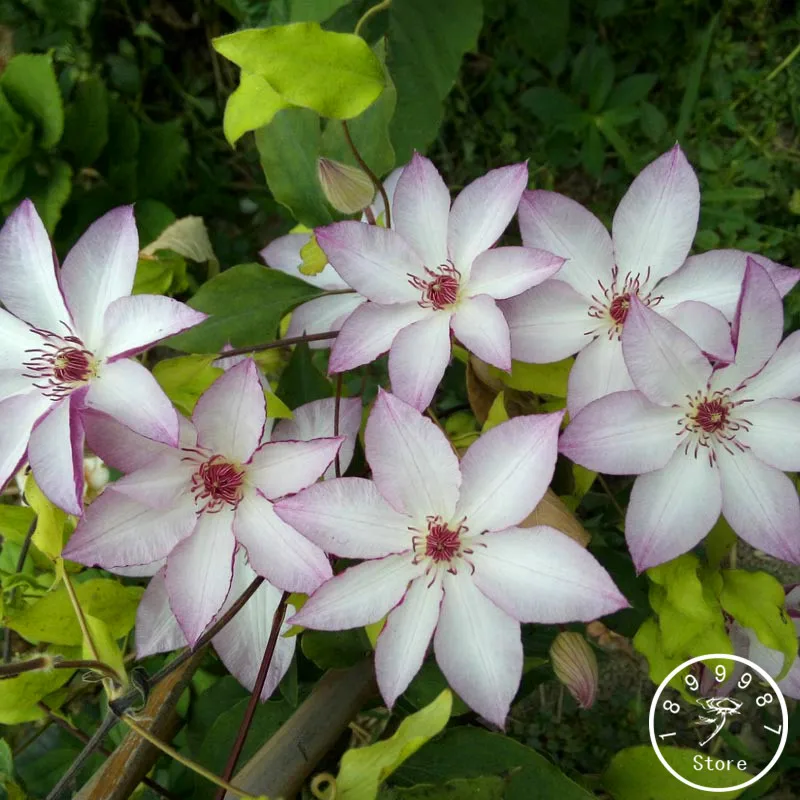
{"x":346,"y":188}
{"x":575,"y":666}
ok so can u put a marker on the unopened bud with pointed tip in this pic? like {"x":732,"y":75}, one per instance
{"x":348,"y":189}
{"x":575,"y":666}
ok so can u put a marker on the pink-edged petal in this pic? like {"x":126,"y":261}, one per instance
{"x":360,"y":595}
{"x":405,"y":638}
{"x":29,"y":287}
{"x":414,"y":378}
{"x":230,"y":414}
{"x":323,"y":314}
{"x":161,"y":482}
{"x":757,"y":325}
{"x":655,"y":222}
{"x":279,"y":468}
{"x":199,"y":573}
{"x":478,"y":648}
{"x":773,"y":433}
{"x":128,"y":392}
{"x":14,"y":382}
{"x":116,"y":531}
{"x":481,"y":213}
{"x":673,"y":508}
{"x":664,"y":363}
{"x":347,"y":517}
{"x":242,"y":642}
{"x":413,"y":465}
{"x":369,"y":331}
{"x":283,"y":254}
{"x":481,"y":327}
{"x":17,"y":418}
{"x":599,"y":370}
{"x":100,"y":269}
{"x":761,"y":504}
{"x":157,"y":629}
{"x":622,"y":434}
{"x":561,"y":226}
{"x":706,"y":326}
{"x":139,"y":570}
{"x":505,"y":473}
{"x":276,"y":550}
{"x":716,"y":278}
{"x":376,"y":262}
{"x":117,"y":445}
{"x":55,"y":453}
{"x":780,"y":377}
{"x":504,"y":272}
{"x":132,"y":324}
{"x":547,"y":323}
{"x":541,"y":575}
{"x":420,"y":210}
{"x":315,"y":420}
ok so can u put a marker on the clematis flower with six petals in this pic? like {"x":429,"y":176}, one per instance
{"x":583,"y":309}
{"x":192,"y":505}
{"x":67,"y":337}
{"x":329,"y":312}
{"x":443,"y":557}
{"x":703,"y":440}
{"x":435,"y":271}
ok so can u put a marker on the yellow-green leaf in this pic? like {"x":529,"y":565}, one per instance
{"x":250,"y":107}
{"x":51,"y":618}
{"x":550,"y":379}
{"x":106,"y":646}
{"x":334,"y":74}
{"x":276,"y":408}
{"x":185,"y":378}
{"x":363,"y":769}
{"x":49,"y":533}
{"x":188,"y":237}
{"x":314,"y":259}
{"x":15,"y":522}
{"x":683,"y":588}
{"x":19,"y":696}
{"x":497,"y":413}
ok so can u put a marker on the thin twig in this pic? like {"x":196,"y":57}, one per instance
{"x":372,"y":176}
{"x":337,"y":409}
{"x":306,"y":337}
{"x":602,"y":481}
{"x":255,"y":696}
{"x":23,"y":554}
{"x":370,"y":12}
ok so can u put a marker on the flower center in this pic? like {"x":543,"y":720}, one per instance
{"x":216,"y":483}
{"x":711,"y":421}
{"x":60,"y":365}
{"x":612,"y":306}
{"x":441,"y":290}
{"x":441,"y":543}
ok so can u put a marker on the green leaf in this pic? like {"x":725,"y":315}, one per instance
{"x":6,"y":761}
{"x":161,"y":274}
{"x":489,"y":787}
{"x":289,"y":149}
{"x":334,"y":649}
{"x":314,"y":10}
{"x":29,"y":82}
{"x":653,"y":122}
{"x":251,"y":106}
{"x":86,"y":122}
{"x":631,"y":90}
{"x":188,"y":237}
{"x":16,"y":142}
{"x":369,"y":130}
{"x":426,"y":42}
{"x":246,"y":304}
{"x":757,"y":600}
{"x":631,"y":775}
{"x":334,"y":74}
{"x":20,"y":695}
{"x":542,"y":28}
{"x":426,"y":686}
{"x":51,"y":192}
{"x":49,"y":533}
{"x":473,"y":753}
{"x":301,"y":382}
{"x":692,"y":91}
{"x":550,"y":106}
{"x":162,"y":152}
{"x":15,"y":522}
{"x":683,"y":588}
{"x":185,"y":378}
{"x":106,"y":645}
{"x":649,"y":643}
{"x":497,"y":413}
{"x":548,"y":379}
{"x":363,"y":770}
{"x":51,"y":618}
{"x":719,"y":541}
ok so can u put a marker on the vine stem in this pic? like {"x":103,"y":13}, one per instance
{"x":255,"y":696}
{"x":602,"y":481}
{"x":337,"y":409}
{"x":369,"y":13}
{"x":307,"y":337}
{"x":372,"y":176}
{"x":23,"y":554}
{"x":187,"y":762}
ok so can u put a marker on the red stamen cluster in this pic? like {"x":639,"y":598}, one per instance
{"x":441,"y":543}
{"x":60,"y":365}
{"x":217,"y":483}
{"x":442,"y":288}
{"x":710,"y":420}
{"x":615,"y":302}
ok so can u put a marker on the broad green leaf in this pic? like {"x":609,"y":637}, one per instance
{"x":721,"y":538}
{"x":15,"y":522}
{"x":6,"y":761}
{"x":301,"y":381}
{"x":363,"y":769}
{"x":50,"y":192}
{"x":634,"y":768}
{"x":16,"y":142}
{"x":19,"y":696}
{"x":631,"y":90}
{"x":106,"y":645}
{"x":29,"y":82}
{"x":427,"y":685}
{"x":334,"y":649}
{"x":468,"y":752}
{"x":542,"y":28}
{"x":550,"y":379}
{"x":649,"y":643}
{"x":250,"y":107}
{"x":163,"y":149}
{"x":49,"y":533}
{"x":757,"y":600}
{"x":683,"y":588}
{"x":289,"y":148}
{"x":51,"y":618}
{"x":551,"y":106}
{"x":313,"y":10}
{"x":334,"y":74}
{"x":86,"y":122}
{"x":161,"y":274}
{"x":488,"y":787}
{"x":246,"y":304}
{"x":497,"y":413}
{"x":426,"y":42}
